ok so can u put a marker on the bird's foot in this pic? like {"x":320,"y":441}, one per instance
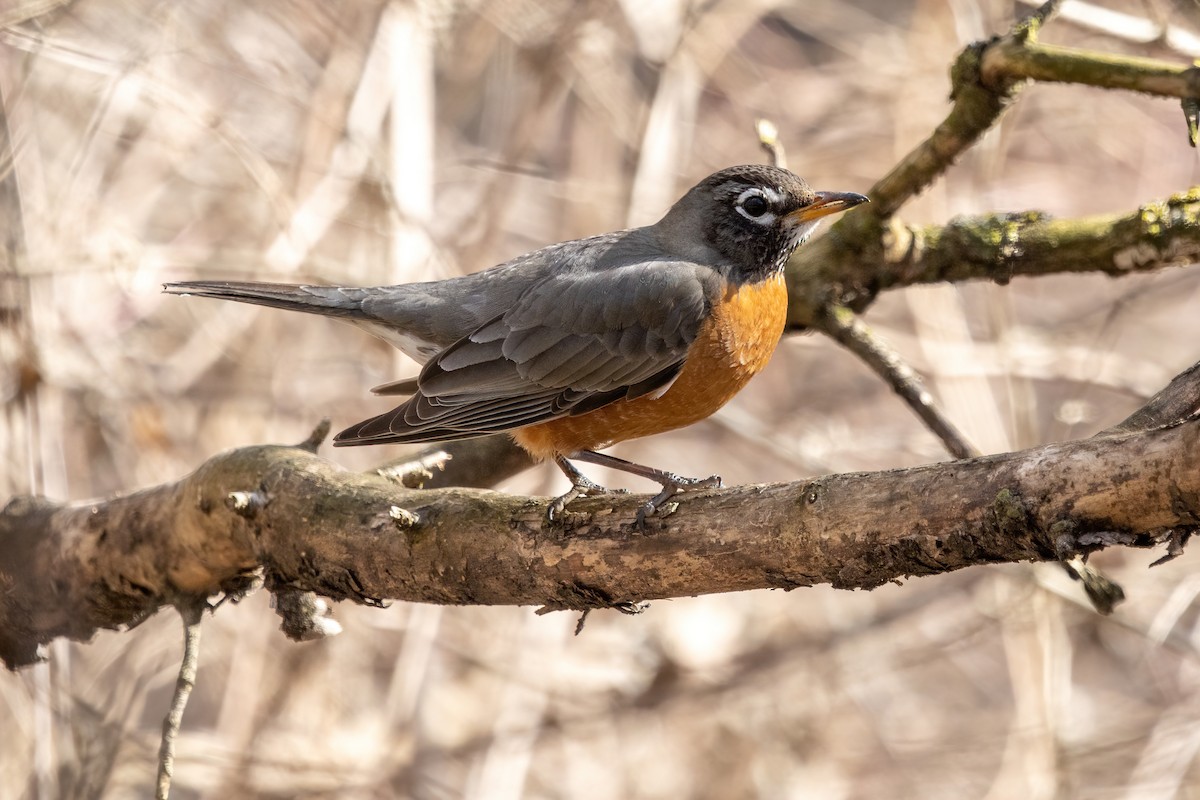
{"x":672,"y":485}
{"x":580,"y":487}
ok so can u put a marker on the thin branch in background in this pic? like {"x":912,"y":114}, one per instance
{"x":19,"y":388}
{"x":1128,"y":27}
{"x":843,"y":326}
{"x":190,"y":612}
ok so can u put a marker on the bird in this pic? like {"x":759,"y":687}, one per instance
{"x":586,"y":343}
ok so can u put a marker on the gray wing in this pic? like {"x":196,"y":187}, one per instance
{"x":570,"y":343}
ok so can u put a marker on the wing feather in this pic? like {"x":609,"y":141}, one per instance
{"x":573,"y":342}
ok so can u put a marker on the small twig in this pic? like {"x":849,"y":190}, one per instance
{"x":844,"y":326}
{"x":1191,"y":116}
{"x":1102,"y":592}
{"x":480,"y":463}
{"x":191,"y":612}
{"x":413,"y":473}
{"x":1129,"y":27}
{"x":768,"y":139}
{"x":314,"y":440}
{"x":1029,"y":27}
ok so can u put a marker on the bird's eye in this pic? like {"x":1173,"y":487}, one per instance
{"x":755,"y":205}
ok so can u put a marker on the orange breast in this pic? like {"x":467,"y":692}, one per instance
{"x":733,"y":345}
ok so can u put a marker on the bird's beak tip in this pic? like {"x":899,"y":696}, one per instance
{"x":830,"y":203}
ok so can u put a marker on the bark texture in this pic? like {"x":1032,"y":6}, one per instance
{"x":68,"y":570}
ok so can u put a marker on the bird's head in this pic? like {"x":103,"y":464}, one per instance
{"x":754,"y":216}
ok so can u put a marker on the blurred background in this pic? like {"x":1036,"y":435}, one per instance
{"x":382,"y":142}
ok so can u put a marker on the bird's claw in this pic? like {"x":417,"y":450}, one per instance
{"x":674,"y":485}
{"x":582,"y":487}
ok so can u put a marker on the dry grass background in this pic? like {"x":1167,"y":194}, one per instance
{"x":375,"y":142}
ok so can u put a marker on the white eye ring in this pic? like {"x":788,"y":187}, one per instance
{"x":767,"y":218}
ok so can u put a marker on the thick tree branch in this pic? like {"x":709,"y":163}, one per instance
{"x":68,"y":570}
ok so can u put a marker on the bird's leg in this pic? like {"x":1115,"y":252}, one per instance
{"x":581,"y":486}
{"x":672,"y":484}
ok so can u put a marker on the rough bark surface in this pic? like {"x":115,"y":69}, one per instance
{"x":68,"y":570}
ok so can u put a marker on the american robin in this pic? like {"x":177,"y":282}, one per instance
{"x":586,"y":343}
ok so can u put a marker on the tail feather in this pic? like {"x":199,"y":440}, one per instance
{"x":378,"y":430}
{"x":329,"y":301}
{"x":402,"y":386}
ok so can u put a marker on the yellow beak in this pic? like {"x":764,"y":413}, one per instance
{"x":828,"y":203}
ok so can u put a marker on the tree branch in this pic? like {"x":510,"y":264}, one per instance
{"x":995,"y":247}
{"x":473,"y":463}
{"x":868,"y":250}
{"x":978,"y":105}
{"x":1180,"y":400}
{"x":1008,"y":60}
{"x":844,"y":327}
{"x":313,"y":526}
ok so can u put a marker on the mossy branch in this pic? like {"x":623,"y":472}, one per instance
{"x":994,"y":247}
{"x":1009,"y":60}
{"x":870,"y":250}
